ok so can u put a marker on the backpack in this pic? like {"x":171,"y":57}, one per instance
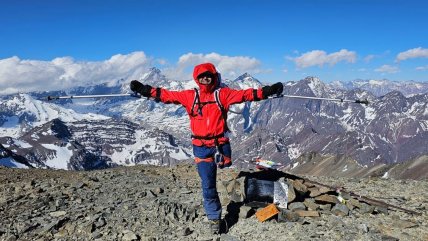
{"x":197,"y":102}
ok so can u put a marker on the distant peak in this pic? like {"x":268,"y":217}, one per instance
{"x":154,"y":74}
{"x":312,"y":79}
{"x":245,"y":75}
{"x":248,"y":79}
{"x":154,"y":70}
{"x":315,"y":84}
{"x":395,"y":94}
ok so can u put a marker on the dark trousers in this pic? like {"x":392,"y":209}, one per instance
{"x":208,"y":174}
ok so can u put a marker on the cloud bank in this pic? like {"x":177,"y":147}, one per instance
{"x":387,"y":69}
{"x":17,"y":75}
{"x":422,"y":68}
{"x":412,"y":53}
{"x":321,"y":58}
{"x":228,"y":66}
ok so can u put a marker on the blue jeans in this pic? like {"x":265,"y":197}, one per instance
{"x":208,"y":174}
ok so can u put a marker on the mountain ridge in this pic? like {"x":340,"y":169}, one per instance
{"x":384,"y":132}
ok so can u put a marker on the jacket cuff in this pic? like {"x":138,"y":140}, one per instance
{"x":153,"y":92}
{"x":260,"y":94}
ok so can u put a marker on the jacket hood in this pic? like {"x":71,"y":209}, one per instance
{"x":202,"y":68}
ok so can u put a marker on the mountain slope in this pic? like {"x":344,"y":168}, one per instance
{"x":86,"y":145}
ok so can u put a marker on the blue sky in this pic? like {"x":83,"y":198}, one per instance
{"x":272,"y":40}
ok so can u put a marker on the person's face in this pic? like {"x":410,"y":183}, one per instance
{"x":206,"y":78}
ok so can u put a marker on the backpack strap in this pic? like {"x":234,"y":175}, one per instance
{"x":217,"y":100}
{"x":222,"y":109}
{"x":196,"y":101}
{"x":199,"y":104}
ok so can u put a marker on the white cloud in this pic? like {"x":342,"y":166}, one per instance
{"x":422,"y":68}
{"x":17,"y":75}
{"x":162,"y":61}
{"x":369,"y":58}
{"x":387,"y":69}
{"x":228,"y":66}
{"x":320,"y":58}
{"x":412,"y":53}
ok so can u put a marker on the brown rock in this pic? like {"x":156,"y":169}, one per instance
{"x":354,"y":202}
{"x":366,"y":208}
{"x":291,"y":193}
{"x":308,"y":184}
{"x":325,"y":207}
{"x":404,"y":224}
{"x":350,"y":206}
{"x":245,"y":212}
{"x":340,"y":210}
{"x":314,"y":191}
{"x":382,"y":210}
{"x":303,"y":213}
{"x":324,"y":190}
{"x":298,"y":185}
{"x":296,"y":206}
{"x":310,"y":204}
{"x":327,"y":199}
{"x":288,"y":216}
{"x":231,"y":186}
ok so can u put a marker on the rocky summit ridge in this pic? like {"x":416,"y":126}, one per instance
{"x":146,"y":202}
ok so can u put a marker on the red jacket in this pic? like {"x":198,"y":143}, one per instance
{"x":209,"y":121}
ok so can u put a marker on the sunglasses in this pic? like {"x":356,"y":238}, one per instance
{"x":206,"y":74}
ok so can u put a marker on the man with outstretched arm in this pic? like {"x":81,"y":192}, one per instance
{"x":207,"y":108}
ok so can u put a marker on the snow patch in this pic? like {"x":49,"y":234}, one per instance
{"x":315,"y":85}
{"x":61,"y":158}
{"x":385,"y":175}
{"x":370,"y":113}
{"x":295,"y":165}
{"x":22,"y":144}
{"x":293,"y":151}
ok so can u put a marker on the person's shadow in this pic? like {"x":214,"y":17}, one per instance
{"x":232,"y":216}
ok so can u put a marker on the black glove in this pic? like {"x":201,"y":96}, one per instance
{"x":276,"y":88}
{"x":144,"y":90}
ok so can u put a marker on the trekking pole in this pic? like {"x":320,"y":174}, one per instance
{"x":363,"y":198}
{"x":92,"y":96}
{"x":366,"y":102}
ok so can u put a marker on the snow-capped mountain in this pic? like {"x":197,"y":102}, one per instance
{"x":384,"y":86}
{"x":392,"y":129}
{"x":86,"y":145}
{"x":20,"y":113}
{"x":382,"y":132}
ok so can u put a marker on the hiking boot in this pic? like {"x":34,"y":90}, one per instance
{"x":215,"y":226}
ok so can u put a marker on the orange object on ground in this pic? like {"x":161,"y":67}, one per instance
{"x":267,"y":212}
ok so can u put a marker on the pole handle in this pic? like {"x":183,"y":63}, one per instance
{"x":365,"y":102}
{"x":135,"y":95}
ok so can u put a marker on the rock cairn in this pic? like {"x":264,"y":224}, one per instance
{"x":305,"y":198}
